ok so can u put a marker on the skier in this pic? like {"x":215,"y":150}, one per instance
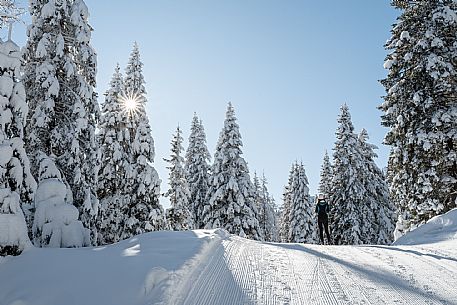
{"x":322,"y":210}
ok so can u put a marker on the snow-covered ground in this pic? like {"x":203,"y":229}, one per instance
{"x":437,"y":229}
{"x":212,"y":267}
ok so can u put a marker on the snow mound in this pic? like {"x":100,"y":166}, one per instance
{"x":146,"y":269}
{"x":439,"y":228}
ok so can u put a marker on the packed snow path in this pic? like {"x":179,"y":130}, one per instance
{"x":241,"y":271}
{"x":212,"y":267}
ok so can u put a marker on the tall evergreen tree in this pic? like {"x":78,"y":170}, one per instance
{"x":85,"y":59}
{"x":302,"y":223}
{"x":347,"y":194}
{"x":60,"y":67}
{"x":231,"y":194}
{"x":17,"y":186}
{"x":258,"y":201}
{"x":272,"y":221}
{"x":279,"y":225}
{"x":143,"y":213}
{"x":420,"y":108}
{"x":197,"y":169}
{"x":326,"y":180}
{"x":114,"y":140}
{"x":326,"y":176}
{"x":369,"y":203}
{"x":179,"y":217}
{"x":266,"y":207}
{"x":284,"y":227}
{"x":379,"y":212}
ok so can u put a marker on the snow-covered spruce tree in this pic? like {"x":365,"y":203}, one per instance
{"x":179,"y":217}
{"x":368,"y":216}
{"x":347,"y":194}
{"x":17,"y":186}
{"x":56,"y":223}
{"x":272,"y":231}
{"x":59,"y":77}
{"x":86,"y":63}
{"x":302,"y":223}
{"x":368,"y":209}
{"x":326,"y":180}
{"x":379,"y":212}
{"x":230,"y":198}
{"x":258,"y":200}
{"x":278,"y":214}
{"x":266,"y":208}
{"x":326,"y":176}
{"x":114,"y":141}
{"x":421,"y":110}
{"x":284,"y":227}
{"x":143,"y":212}
{"x":197,"y":169}
{"x":268,"y":213}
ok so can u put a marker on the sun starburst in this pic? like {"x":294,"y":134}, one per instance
{"x":130,"y":102}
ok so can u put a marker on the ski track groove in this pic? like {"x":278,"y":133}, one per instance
{"x":305,"y":274}
{"x":202,"y":293}
{"x":312,"y":298}
{"x":280,"y":289}
{"x":234,"y":251}
{"x":243,"y":272}
{"x":293,"y":282}
{"x":205,"y":290}
{"x":333,"y":282}
{"x":329,"y":287}
{"x":310,"y":272}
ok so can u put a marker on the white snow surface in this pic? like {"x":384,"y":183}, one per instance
{"x":438,"y":229}
{"x":212,"y":267}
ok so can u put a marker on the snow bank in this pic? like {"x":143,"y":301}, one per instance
{"x":439,"y":228}
{"x":146,"y":269}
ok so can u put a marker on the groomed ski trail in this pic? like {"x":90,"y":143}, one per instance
{"x":239,"y":271}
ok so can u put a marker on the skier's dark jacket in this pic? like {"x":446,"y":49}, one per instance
{"x":322,"y":208}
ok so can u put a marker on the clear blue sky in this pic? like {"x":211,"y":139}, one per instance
{"x":286,"y":66}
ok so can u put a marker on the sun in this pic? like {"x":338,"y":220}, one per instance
{"x":130,"y":102}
